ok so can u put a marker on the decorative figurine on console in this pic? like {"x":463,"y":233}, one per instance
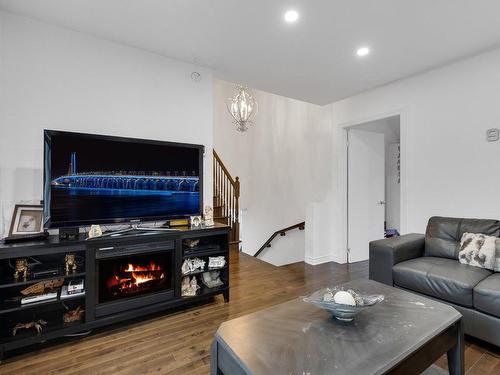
{"x":75,"y":315}
{"x":21,"y":269}
{"x":191,"y":265}
{"x":36,"y":325}
{"x":70,"y":262}
{"x":95,"y":231}
{"x":191,"y":243}
{"x":208,"y":218}
{"x":189,"y":287}
{"x":216,"y":262}
{"x":42,"y":287}
{"x":212,"y":279}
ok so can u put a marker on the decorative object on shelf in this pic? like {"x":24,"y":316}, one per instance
{"x":21,"y":269}
{"x":208,"y":218}
{"x":192,"y":265}
{"x":189,"y":287}
{"x":95,"y":231}
{"x":211,"y":279}
{"x":178,"y":223}
{"x":76,"y":286}
{"x":36,"y":325}
{"x":38,"y":298}
{"x":195,"y":221}
{"x":191,"y":243}
{"x":343,"y":304}
{"x":42,"y":286}
{"x":45,"y":270}
{"x":70,"y":233}
{"x":70,"y":263}
{"x":26,"y":220}
{"x":243,"y":107}
{"x":216,"y":262}
{"x":75,"y":315}
{"x":66,"y":295}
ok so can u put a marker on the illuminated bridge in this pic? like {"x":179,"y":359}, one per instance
{"x":129,"y":182}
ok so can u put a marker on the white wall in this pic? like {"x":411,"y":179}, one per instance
{"x":447,"y":166}
{"x":59,"y":79}
{"x":283,"y":163}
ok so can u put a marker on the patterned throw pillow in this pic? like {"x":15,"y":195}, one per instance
{"x":478,"y":250}
{"x":497,"y":261}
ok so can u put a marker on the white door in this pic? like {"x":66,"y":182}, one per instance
{"x":366,"y":191}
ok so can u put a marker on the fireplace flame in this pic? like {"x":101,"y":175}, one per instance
{"x":144,"y":278}
{"x":150,"y":267}
{"x":134,"y":275}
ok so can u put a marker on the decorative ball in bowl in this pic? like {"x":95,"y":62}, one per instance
{"x":344,"y":304}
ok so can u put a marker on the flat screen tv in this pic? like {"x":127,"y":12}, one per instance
{"x":96,"y":179}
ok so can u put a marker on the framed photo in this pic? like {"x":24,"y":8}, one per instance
{"x":26,"y":219}
{"x":195,"y":221}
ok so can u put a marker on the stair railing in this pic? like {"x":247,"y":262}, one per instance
{"x":227,"y":195}
{"x":281,"y":232}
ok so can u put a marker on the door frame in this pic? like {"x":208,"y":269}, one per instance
{"x":343,"y":178}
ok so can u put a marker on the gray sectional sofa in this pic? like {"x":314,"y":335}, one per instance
{"x":428,"y":265}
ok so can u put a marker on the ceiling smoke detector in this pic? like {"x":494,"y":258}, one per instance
{"x":195,"y":76}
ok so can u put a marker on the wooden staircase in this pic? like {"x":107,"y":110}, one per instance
{"x":226,"y":200}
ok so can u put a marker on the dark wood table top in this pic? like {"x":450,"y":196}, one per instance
{"x":298,"y":338}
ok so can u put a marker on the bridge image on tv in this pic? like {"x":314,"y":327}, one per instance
{"x":153,"y":182}
{"x":128,"y":182}
{"x":121,"y":194}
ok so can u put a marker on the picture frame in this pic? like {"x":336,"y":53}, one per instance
{"x":26,"y":219}
{"x":195,"y":221}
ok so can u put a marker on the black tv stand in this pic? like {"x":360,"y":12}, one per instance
{"x":167,"y":250}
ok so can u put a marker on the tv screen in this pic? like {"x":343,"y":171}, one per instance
{"x":93,"y":179}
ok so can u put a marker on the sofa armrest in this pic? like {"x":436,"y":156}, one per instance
{"x":384,"y":254}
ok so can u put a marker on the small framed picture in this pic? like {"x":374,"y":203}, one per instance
{"x":195,"y":221}
{"x":26,"y":219}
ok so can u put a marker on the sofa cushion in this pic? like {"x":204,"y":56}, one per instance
{"x":443,"y":234}
{"x":442,"y":278}
{"x":487,"y":295}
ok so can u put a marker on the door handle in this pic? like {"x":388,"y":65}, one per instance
{"x":381,"y":202}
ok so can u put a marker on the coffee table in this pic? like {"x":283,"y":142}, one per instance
{"x":404,"y":334}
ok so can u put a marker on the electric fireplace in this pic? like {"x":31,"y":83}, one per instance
{"x":132,"y":277}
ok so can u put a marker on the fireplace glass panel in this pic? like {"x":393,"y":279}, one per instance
{"x":133,"y":276}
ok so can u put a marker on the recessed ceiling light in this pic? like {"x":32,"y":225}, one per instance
{"x":291,"y":16}
{"x":363,"y":51}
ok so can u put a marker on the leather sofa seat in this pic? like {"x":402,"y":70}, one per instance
{"x":441,"y":278}
{"x":487,"y":295}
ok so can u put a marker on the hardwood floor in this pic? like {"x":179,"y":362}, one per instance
{"x":179,"y":343}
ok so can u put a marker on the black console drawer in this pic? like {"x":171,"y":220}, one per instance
{"x":151,"y":247}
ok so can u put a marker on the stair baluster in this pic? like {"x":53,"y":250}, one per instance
{"x":226,"y":199}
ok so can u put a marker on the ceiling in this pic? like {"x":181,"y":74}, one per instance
{"x":313,"y":59}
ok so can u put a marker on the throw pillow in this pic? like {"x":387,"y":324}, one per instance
{"x":478,"y":250}
{"x":497,"y":261}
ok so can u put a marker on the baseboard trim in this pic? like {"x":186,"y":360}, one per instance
{"x":324,"y":259}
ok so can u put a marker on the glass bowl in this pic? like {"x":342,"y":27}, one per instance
{"x":343,"y":312}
